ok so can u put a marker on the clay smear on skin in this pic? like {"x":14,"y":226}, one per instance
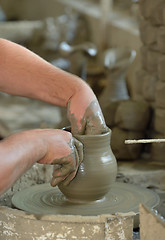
{"x":92,"y":123}
{"x":71,"y":162}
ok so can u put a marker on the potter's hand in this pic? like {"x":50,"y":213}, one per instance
{"x":49,"y":146}
{"x":65,"y":152}
{"x":85,"y":114}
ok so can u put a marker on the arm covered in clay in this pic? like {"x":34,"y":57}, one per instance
{"x":23,"y":73}
{"x":51,"y":146}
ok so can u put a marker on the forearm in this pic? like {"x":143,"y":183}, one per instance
{"x":17,"y":154}
{"x":25,"y":74}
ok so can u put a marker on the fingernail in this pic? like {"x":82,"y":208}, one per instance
{"x":57,"y":174}
{"x":53,"y":182}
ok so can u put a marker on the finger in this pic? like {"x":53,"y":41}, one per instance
{"x":79,"y":150}
{"x":76,"y":157}
{"x":78,"y":130}
{"x":73,"y":173}
{"x":61,"y":172}
{"x":57,"y":166}
{"x":67,"y":167}
{"x":68,"y":179}
{"x":55,"y":181}
{"x":95,"y":122}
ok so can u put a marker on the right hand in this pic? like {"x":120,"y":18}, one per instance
{"x":84,"y":113}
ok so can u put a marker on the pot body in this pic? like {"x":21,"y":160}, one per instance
{"x":96,"y":173}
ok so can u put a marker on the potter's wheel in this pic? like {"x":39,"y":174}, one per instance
{"x":43,"y":199}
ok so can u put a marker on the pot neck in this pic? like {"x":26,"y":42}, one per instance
{"x":95,"y":141}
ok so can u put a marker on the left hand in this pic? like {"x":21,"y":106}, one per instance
{"x":65,"y":169}
{"x":61,"y":150}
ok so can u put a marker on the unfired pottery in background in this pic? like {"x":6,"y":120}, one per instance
{"x":132,"y":115}
{"x":120,"y":149}
{"x":116,"y":63}
{"x":96,"y":173}
{"x":96,"y":77}
{"x":78,"y":55}
{"x":158,"y":151}
{"x":152,"y":32}
{"x":20,"y":31}
{"x":69,"y":27}
{"x":109,"y":113}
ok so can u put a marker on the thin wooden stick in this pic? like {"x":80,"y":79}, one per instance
{"x":145,"y":141}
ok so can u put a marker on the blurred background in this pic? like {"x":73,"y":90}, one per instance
{"x":117,"y":47}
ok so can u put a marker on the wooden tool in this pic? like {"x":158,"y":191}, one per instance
{"x":145,"y":141}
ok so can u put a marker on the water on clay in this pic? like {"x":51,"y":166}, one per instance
{"x":122,"y":198}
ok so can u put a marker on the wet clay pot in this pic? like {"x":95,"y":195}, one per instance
{"x":96,"y":173}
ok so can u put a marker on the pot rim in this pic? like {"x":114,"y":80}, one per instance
{"x":68,"y":128}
